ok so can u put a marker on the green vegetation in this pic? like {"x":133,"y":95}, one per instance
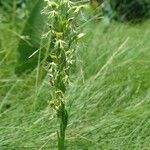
{"x":63,"y":35}
{"x":128,"y":10}
{"x":108,"y":101}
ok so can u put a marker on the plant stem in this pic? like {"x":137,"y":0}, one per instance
{"x":63,"y":116}
{"x":14,"y":12}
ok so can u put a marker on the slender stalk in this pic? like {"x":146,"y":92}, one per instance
{"x":64,"y":35}
{"x":63,"y":125}
{"x":14,"y":12}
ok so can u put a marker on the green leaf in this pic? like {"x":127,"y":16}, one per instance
{"x":27,"y":46}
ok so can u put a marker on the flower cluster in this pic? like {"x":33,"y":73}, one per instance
{"x":64,"y":35}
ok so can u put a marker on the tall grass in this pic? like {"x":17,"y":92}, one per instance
{"x":108,"y":101}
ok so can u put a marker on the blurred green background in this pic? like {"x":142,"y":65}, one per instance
{"x":109,"y":99}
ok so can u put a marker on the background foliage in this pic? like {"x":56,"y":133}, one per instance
{"x":109,"y":100}
{"x":128,"y":10}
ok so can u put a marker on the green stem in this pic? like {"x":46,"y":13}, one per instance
{"x":61,"y":138}
{"x":14,"y":12}
{"x":63,"y":116}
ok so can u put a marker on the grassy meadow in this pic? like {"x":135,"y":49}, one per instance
{"x":108,"y":101}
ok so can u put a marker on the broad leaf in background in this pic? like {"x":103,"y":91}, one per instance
{"x":30,"y":41}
